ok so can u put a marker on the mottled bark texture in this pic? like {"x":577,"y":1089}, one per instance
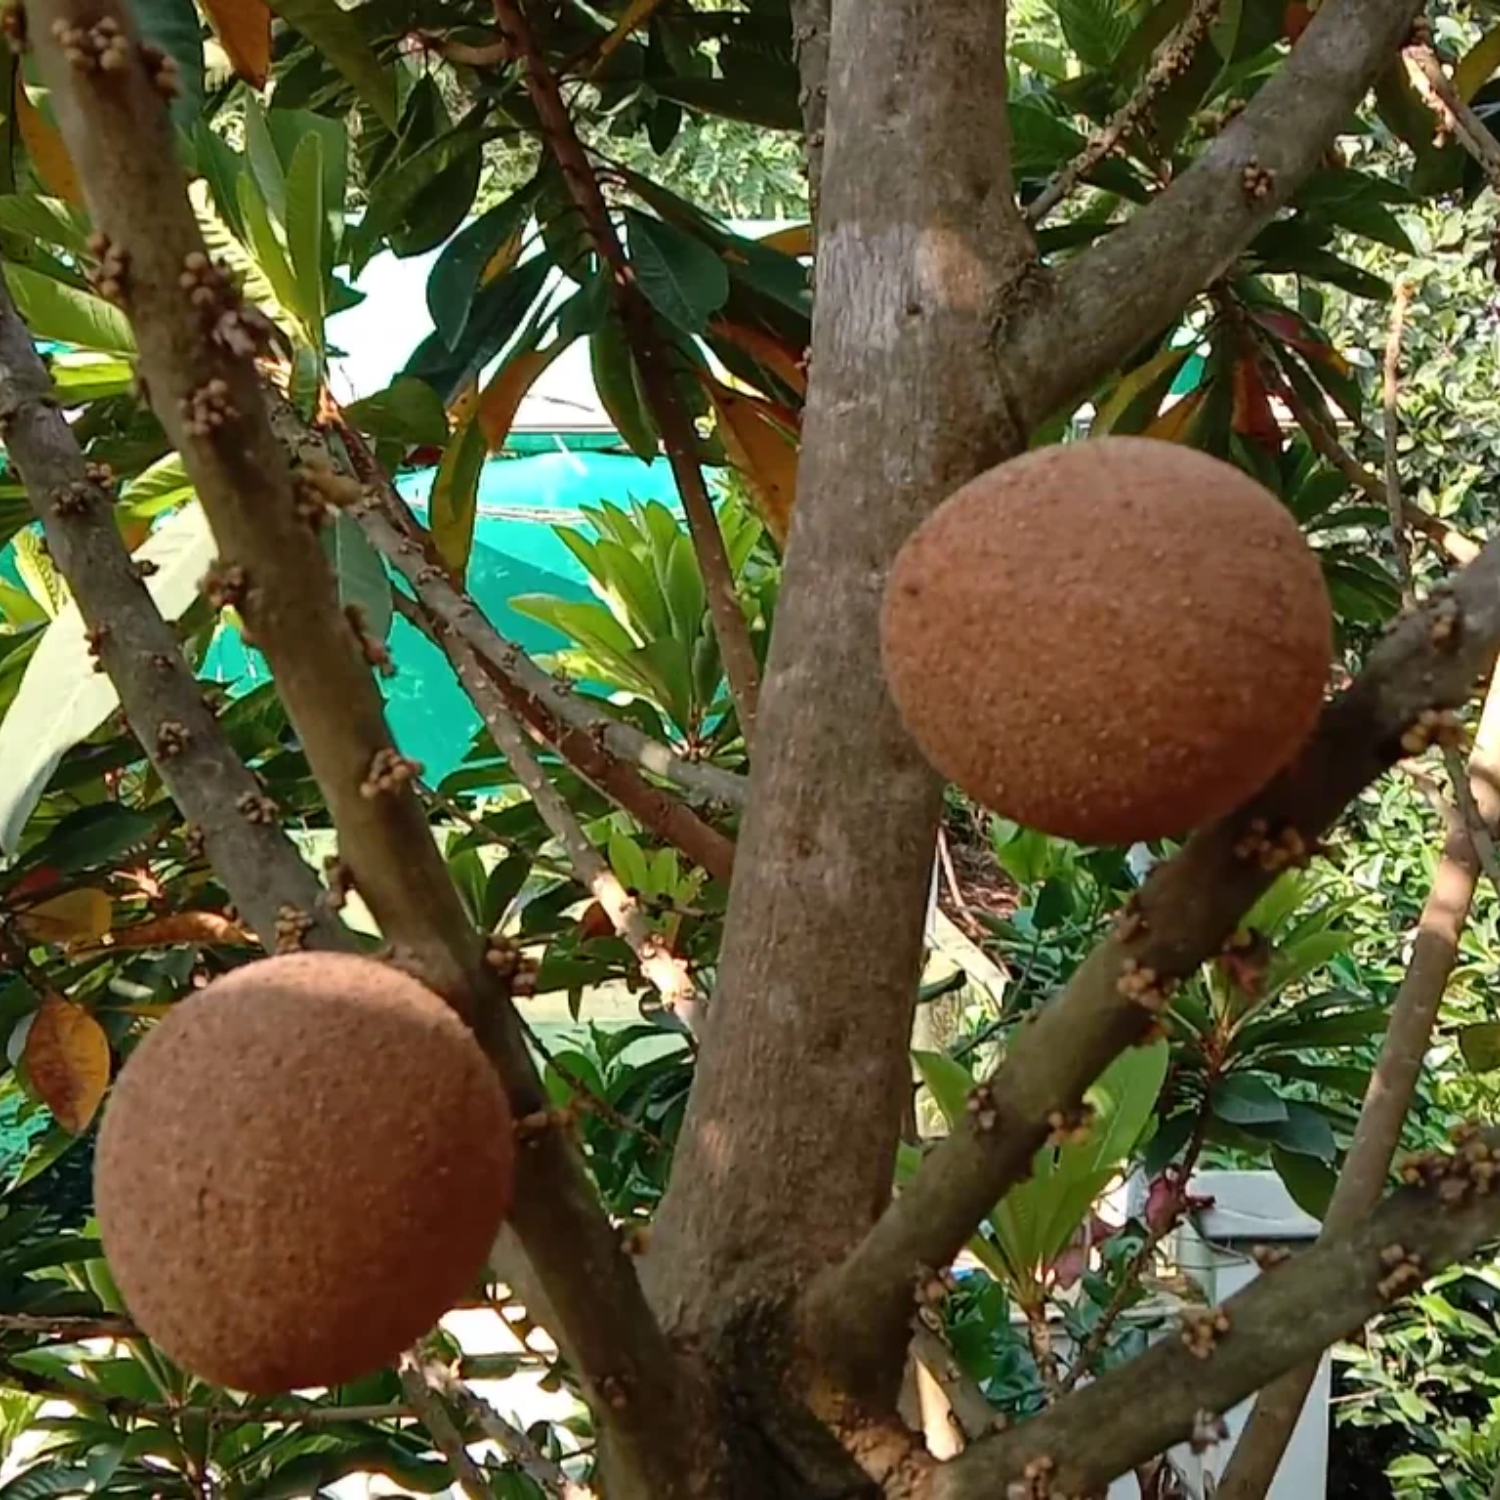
{"x":791,"y":1135}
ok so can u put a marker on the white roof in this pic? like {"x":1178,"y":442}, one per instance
{"x":379,"y":335}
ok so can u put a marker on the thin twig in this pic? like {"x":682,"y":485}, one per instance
{"x":163,"y":704}
{"x":1474,"y":821}
{"x":509,"y":1438}
{"x":662,"y":968}
{"x":1446,"y":538}
{"x":441,"y":1428}
{"x":78,"y":1392}
{"x":1098,"y":1336}
{"x":1170,"y":61}
{"x":650,"y":351}
{"x":1430,"y":79}
{"x":1392,"y":393}
{"x":73,"y":1329}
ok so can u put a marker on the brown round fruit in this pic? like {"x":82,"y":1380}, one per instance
{"x":301,"y":1168}
{"x":1108,"y":641}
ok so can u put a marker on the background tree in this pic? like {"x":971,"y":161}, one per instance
{"x":1136,"y":217}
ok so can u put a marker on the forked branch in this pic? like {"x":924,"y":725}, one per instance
{"x":651,"y":358}
{"x":1288,"y":1316}
{"x":208,"y":395}
{"x":1187,"y":909}
{"x":242,"y":835}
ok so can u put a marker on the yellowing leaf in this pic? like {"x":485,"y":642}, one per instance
{"x":1176,"y":422}
{"x":1136,"y":383}
{"x":455,"y":498}
{"x":503,"y":395}
{"x":798,"y":240}
{"x":244,"y":28}
{"x":502,"y":260}
{"x":1477,"y":66}
{"x":67,"y":1059}
{"x":461,"y":408}
{"x":44,"y":146}
{"x":636,"y":15}
{"x":763,"y":451}
{"x":74,"y":917}
{"x":197,"y":927}
{"x":781,"y":359}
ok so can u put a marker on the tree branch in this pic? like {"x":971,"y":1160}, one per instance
{"x":1078,"y":325}
{"x":812,"y":29}
{"x":650,"y":352}
{"x":259,"y":865}
{"x":600,"y":748}
{"x":209,"y":397}
{"x":1320,"y":433}
{"x":1188,"y":907}
{"x":510,"y":1439}
{"x":1168,"y":63}
{"x":1392,"y":1088}
{"x":1282,"y":1319}
{"x":1391,"y":390}
{"x":1430,"y":79}
{"x":441,"y":1428}
{"x":662,"y":968}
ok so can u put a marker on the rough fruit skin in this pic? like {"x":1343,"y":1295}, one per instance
{"x":300,"y":1169}
{"x":1109,"y":641}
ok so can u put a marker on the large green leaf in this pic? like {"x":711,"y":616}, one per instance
{"x":175,"y":27}
{"x":266,"y":245}
{"x":62,"y":699}
{"x":305,"y":225}
{"x":47,"y":219}
{"x":336,"y":34}
{"x":1096,"y":29}
{"x":455,"y":495}
{"x":54,"y":311}
{"x":948,"y":1081}
{"x":359,"y":572}
{"x":685,"y":279}
{"x":456,"y":274}
{"x":1244,"y":1100}
{"x":407,"y":411}
{"x":614,"y":379}
{"x":768,"y":99}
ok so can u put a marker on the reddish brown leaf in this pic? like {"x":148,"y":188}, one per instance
{"x":503,"y":395}
{"x":243,"y":28}
{"x":1254,"y":416}
{"x":197,"y":927}
{"x":67,"y":1060}
{"x":762,"y":450}
{"x":44,"y":146}
{"x":74,"y":917}
{"x":780,"y":358}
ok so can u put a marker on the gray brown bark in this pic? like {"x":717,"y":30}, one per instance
{"x":791,"y":1134}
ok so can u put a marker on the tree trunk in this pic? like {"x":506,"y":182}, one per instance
{"x":918,"y":241}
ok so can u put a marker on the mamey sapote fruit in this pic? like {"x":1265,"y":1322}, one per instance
{"x":301,"y":1168}
{"x":1108,"y":641}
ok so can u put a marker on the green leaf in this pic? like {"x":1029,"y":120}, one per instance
{"x":46,"y":1478}
{"x":1478,"y":65}
{"x":266,"y":165}
{"x":361,"y":576}
{"x":1097,"y":30}
{"x":336,"y":34}
{"x":1480,"y":1045}
{"x":949,"y":1082}
{"x":163,"y":486}
{"x":62,"y":699}
{"x":304,"y":232}
{"x":768,"y":99}
{"x":407,"y":411}
{"x":1305,"y":1132}
{"x":1244,"y":1100}
{"x":685,"y":279}
{"x":400,"y":186}
{"x":1309,"y":1181}
{"x":270,"y":256}
{"x":455,"y":495}
{"x":47,"y":219}
{"x":614,"y":378}
{"x":54,"y":311}
{"x":174,"y":26}
{"x":502,"y":887}
{"x":455,"y":276}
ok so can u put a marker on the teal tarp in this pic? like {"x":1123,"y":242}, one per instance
{"x":515,"y":552}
